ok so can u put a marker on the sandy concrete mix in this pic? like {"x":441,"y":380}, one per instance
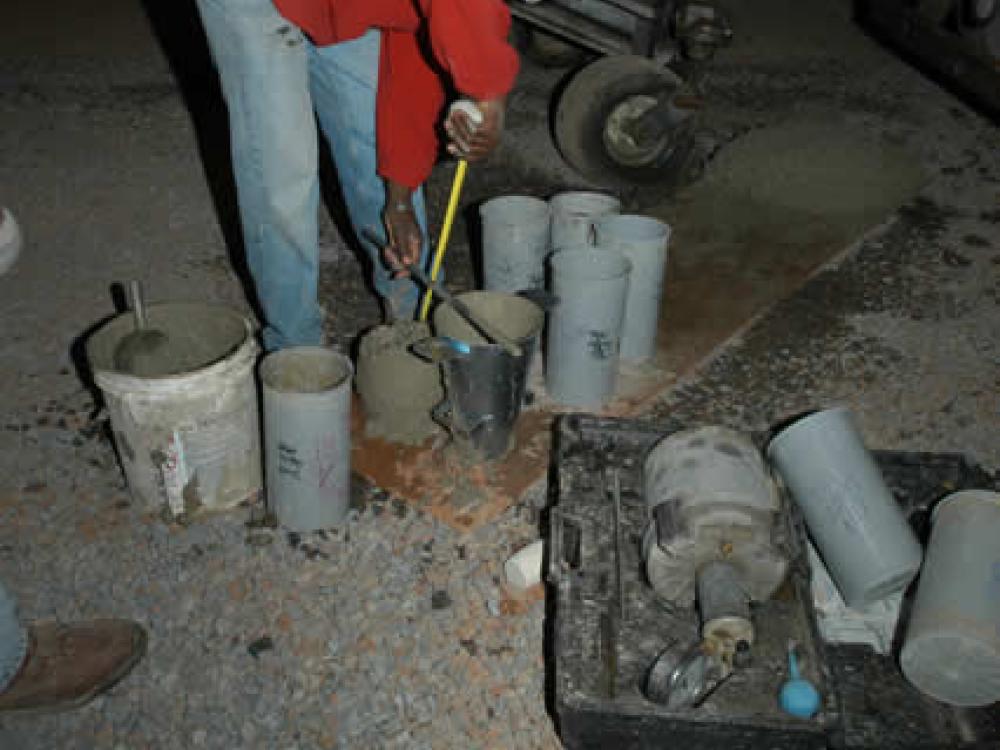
{"x":393,"y":632}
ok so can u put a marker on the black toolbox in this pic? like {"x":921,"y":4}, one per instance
{"x":601,"y":650}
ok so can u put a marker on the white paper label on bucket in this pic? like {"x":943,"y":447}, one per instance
{"x":175,"y":474}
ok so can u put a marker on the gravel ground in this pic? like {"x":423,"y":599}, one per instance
{"x":393,"y":631}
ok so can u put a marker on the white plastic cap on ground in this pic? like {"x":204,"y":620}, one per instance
{"x":10,"y":240}
{"x":523,"y":569}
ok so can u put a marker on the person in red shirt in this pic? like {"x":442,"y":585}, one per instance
{"x":375,"y":73}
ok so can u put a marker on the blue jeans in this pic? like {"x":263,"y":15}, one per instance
{"x":273,"y":79}
{"x":13,"y":639}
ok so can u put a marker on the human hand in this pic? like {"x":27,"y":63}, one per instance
{"x":403,"y":231}
{"x":472,"y":140}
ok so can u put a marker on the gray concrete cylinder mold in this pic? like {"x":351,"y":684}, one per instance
{"x":643,"y":240}
{"x":952,"y":646}
{"x":574,"y":215}
{"x":584,"y":335}
{"x":516,"y":233}
{"x":307,"y":436}
{"x":859,"y":529}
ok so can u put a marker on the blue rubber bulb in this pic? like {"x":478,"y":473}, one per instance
{"x":798,"y":697}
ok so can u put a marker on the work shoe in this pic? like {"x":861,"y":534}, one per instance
{"x":10,"y":240}
{"x":68,"y":665}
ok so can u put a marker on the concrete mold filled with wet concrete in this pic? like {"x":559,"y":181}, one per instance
{"x":398,"y":389}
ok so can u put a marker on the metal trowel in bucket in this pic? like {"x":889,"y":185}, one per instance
{"x":140,"y":353}
{"x":440,"y":349}
{"x":482,"y":326}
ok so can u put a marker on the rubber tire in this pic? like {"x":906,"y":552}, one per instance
{"x":982,"y":37}
{"x":585,"y":106}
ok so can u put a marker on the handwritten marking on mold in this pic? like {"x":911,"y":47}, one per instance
{"x":289,"y":463}
{"x":326,"y":459}
{"x":601,"y":345}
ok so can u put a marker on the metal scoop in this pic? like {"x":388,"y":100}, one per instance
{"x":140,"y":352}
{"x":487,"y":330}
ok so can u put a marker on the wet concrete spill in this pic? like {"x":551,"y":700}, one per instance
{"x":306,"y":374}
{"x":775,"y":206}
{"x":397,"y":388}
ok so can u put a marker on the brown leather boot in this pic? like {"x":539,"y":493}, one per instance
{"x":67,"y":665}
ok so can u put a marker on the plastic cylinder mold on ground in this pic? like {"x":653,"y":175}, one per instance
{"x":516,"y":232}
{"x":574,"y":215}
{"x":643,"y":240}
{"x":307,"y":436}
{"x":584,"y":335}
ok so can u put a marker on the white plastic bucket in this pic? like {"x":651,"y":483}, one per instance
{"x":515,"y":243}
{"x":584,"y":336}
{"x":952,"y":647}
{"x":190,"y":440}
{"x":643,"y":240}
{"x":307,"y":436}
{"x":859,"y":528}
{"x":574,"y":214}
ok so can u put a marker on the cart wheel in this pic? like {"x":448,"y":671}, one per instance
{"x":592,"y":121}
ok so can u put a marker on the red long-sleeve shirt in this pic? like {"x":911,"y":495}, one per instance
{"x":468,"y":42}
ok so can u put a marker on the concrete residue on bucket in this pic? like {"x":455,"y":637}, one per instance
{"x":192,"y":340}
{"x":514,"y":316}
{"x":189,"y":438}
{"x":397,"y":388}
